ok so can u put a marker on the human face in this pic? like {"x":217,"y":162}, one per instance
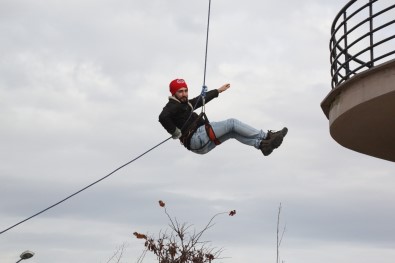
{"x":182,"y":95}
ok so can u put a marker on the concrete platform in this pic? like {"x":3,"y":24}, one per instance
{"x":361,"y":112}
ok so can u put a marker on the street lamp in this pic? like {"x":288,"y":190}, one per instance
{"x":26,"y":255}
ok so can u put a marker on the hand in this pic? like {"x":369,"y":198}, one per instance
{"x":224,"y":87}
{"x":176,"y":134}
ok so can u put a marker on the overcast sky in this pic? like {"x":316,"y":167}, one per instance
{"x":82,"y":84}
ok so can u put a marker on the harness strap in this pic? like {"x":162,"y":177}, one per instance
{"x":210,"y":131}
{"x":186,"y":137}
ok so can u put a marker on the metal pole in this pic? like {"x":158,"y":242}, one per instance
{"x":371,"y":64}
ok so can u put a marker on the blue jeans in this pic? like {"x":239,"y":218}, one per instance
{"x":224,"y":130}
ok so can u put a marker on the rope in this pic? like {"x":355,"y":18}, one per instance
{"x":204,"y":88}
{"x":207,"y":31}
{"x":86,"y":187}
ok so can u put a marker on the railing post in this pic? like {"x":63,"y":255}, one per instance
{"x":346,"y":55}
{"x":334,"y":67}
{"x":371,"y":63}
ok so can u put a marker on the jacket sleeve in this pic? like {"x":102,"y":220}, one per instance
{"x":209,"y":96}
{"x":165,"y":118}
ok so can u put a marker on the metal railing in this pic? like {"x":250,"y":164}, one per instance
{"x":361,"y":39}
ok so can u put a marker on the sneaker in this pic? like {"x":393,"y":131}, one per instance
{"x":272,"y":141}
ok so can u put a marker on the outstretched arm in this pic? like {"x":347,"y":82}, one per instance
{"x":224,"y":87}
{"x":209,"y":96}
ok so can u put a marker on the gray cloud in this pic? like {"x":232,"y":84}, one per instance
{"x":82,"y":84}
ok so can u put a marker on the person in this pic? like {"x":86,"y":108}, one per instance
{"x":200,"y":136}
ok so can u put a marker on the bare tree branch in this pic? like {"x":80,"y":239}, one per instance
{"x":180,"y":246}
{"x":118,"y":253}
{"x":142,"y":256}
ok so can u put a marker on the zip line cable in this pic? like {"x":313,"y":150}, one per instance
{"x":86,"y":187}
{"x":202,"y":95}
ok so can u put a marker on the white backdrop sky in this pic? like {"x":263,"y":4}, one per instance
{"x":81,"y":87}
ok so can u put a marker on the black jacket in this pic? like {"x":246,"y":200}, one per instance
{"x":178,"y":114}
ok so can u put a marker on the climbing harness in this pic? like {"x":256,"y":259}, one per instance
{"x":210,"y":132}
{"x":186,"y":137}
